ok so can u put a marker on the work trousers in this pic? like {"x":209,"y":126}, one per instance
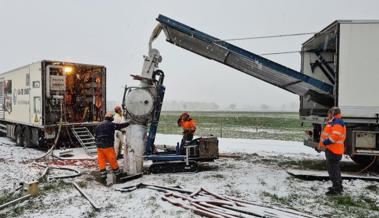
{"x":186,"y":137}
{"x":334,"y":171}
{"x":105,"y":155}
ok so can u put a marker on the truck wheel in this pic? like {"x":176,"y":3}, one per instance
{"x":27,"y":142}
{"x":18,"y":136}
{"x":364,"y":161}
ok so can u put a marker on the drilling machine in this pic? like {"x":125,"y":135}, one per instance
{"x":143,"y":105}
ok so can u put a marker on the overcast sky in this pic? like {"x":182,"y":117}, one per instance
{"x":115,"y":34}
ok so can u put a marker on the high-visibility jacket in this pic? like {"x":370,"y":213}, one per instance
{"x":188,"y":126}
{"x":333,"y":135}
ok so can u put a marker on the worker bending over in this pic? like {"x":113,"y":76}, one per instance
{"x":189,"y":127}
{"x":119,"y":137}
{"x":105,"y":141}
{"x":333,"y":139}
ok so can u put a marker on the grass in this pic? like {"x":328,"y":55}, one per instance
{"x":284,"y":200}
{"x":286,"y":163}
{"x":216,"y":176}
{"x":20,"y":208}
{"x":6,"y":198}
{"x":373,"y":188}
{"x":250,"y":125}
{"x":33,"y":203}
{"x":358,"y":206}
{"x":361,"y":201}
{"x":55,"y":186}
{"x":91,"y":213}
{"x":17,"y":211}
{"x":82,"y":184}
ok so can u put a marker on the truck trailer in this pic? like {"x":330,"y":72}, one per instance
{"x":48,"y":99}
{"x":338,"y":68}
{"x":344,"y":55}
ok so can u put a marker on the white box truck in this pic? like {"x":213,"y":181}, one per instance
{"x":38,"y":98}
{"x":345,"y":55}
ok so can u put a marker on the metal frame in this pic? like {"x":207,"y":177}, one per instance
{"x":284,"y":71}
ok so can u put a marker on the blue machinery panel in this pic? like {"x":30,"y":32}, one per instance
{"x":210,"y":47}
{"x":155,"y":120}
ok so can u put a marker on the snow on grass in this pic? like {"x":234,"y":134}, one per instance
{"x":260,"y":146}
{"x":13,"y":169}
{"x":259,"y":175}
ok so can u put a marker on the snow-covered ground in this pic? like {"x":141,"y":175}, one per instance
{"x":261,"y":146}
{"x":259,"y":175}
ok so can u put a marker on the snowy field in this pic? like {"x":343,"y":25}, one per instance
{"x":258,"y":175}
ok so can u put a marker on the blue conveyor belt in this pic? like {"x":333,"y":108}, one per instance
{"x":262,"y":68}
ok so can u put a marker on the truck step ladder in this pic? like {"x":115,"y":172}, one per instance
{"x":85,"y":138}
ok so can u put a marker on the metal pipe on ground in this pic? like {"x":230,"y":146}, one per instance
{"x":93,"y":204}
{"x":15,"y":201}
{"x":230,"y":206}
{"x":214,"y":195}
{"x":195,"y":210}
{"x":145,"y":185}
{"x":246,"y":203}
{"x":196,"y":204}
{"x":212,"y":211}
{"x":227,"y":211}
{"x":243,"y":211}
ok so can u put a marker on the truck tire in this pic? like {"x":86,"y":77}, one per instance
{"x":27,"y":137}
{"x":364,"y":161}
{"x":18,"y":136}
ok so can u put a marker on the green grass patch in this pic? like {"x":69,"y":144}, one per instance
{"x":82,"y":184}
{"x":373,"y":188}
{"x":250,"y":125}
{"x":34,"y":203}
{"x":19,"y":208}
{"x":6,"y":198}
{"x":284,"y":200}
{"x":217,"y":176}
{"x":285,"y":163}
{"x":55,"y":186}
{"x":361,"y":201}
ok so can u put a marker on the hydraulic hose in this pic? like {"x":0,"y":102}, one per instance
{"x":368,"y":166}
{"x":56,"y":138}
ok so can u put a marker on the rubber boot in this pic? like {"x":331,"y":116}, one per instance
{"x":332,"y":191}
{"x":103,"y":177}
{"x":118,"y":174}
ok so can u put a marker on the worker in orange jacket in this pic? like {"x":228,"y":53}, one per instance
{"x":332,"y":139}
{"x":189,"y":127}
{"x":105,"y":146}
